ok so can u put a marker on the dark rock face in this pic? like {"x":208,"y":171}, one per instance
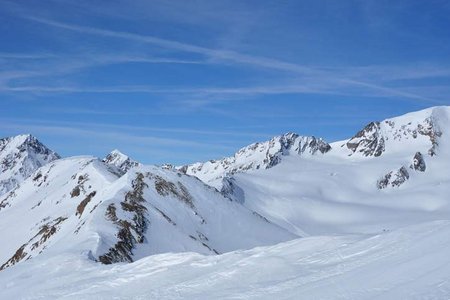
{"x":130,"y":232}
{"x":430,"y":129}
{"x":231,"y":190}
{"x":418,"y":163}
{"x":394,"y":178}
{"x":82,"y":205}
{"x":368,"y":141}
{"x":315,"y":145}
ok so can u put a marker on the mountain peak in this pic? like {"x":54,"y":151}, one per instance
{"x":20,"y":156}
{"x":120,"y":160}
{"x":118,"y":155}
{"x":416,"y":131}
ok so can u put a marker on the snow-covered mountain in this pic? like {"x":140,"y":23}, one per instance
{"x":358,"y":189}
{"x":366,"y":217}
{"x":256,"y":156}
{"x":20,"y":156}
{"x":121,"y":161}
{"x":82,"y":204}
{"x":416,"y":129}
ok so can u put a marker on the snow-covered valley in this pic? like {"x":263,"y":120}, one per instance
{"x":293,"y":217}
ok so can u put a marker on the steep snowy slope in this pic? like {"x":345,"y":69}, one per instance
{"x":52,"y":204}
{"x":82,"y":205}
{"x":359,"y":189}
{"x":20,"y":156}
{"x":408,"y":263}
{"x":256,"y":156}
{"x":171,"y":212}
{"x":120,"y":160}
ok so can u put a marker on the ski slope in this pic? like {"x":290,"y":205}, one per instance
{"x":408,"y":263}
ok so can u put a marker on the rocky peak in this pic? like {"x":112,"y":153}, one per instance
{"x":20,"y":156}
{"x":368,"y":141}
{"x":419,"y":131}
{"x":120,"y":160}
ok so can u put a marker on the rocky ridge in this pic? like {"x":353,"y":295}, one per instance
{"x":262,"y":155}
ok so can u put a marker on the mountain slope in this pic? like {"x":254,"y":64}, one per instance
{"x":350,"y":192}
{"x":83,"y":205}
{"x":56,"y":200}
{"x":20,"y":156}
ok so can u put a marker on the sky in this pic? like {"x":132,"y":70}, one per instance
{"x":183,"y":81}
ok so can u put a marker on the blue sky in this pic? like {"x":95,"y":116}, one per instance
{"x":184,"y":81}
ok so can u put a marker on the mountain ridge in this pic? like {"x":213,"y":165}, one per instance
{"x":260,"y":155}
{"x":127,"y":206}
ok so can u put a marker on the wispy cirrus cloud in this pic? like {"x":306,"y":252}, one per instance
{"x":201,"y":96}
{"x":319,"y":80}
{"x":364,"y":81}
{"x":51,"y":65}
{"x":27,"y":56}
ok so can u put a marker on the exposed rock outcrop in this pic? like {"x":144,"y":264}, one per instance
{"x":232,"y":191}
{"x":394,"y":178}
{"x":418,"y":163}
{"x":129,"y":233}
{"x":368,"y":141}
{"x":36,"y":243}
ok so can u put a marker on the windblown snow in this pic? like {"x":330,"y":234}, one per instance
{"x":293,"y":217}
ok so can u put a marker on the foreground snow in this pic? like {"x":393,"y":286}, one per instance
{"x":408,"y":263}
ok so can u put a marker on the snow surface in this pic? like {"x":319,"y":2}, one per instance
{"x":408,"y":263}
